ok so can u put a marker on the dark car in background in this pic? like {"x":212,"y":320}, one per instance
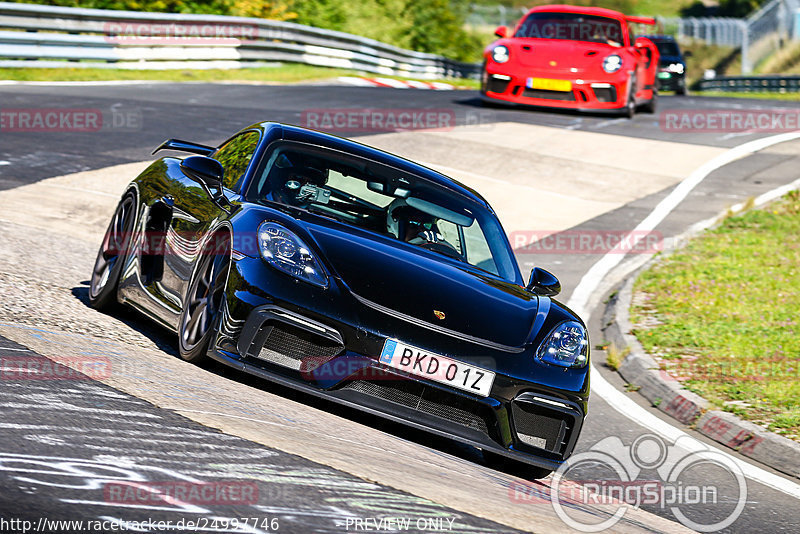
{"x":671,"y":65}
{"x":355,"y":275}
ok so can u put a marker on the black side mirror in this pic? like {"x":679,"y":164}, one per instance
{"x":205,"y":170}
{"x":687,"y":53}
{"x":543,"y":283}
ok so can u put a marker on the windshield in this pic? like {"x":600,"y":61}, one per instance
{"x":384,"y":200}
{"x":667,"y":48}
{"x":572,"y":27}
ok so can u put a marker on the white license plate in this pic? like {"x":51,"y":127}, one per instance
{"x":438,"y":368}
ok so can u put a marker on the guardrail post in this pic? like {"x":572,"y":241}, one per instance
{"x":797,"y":25}
{"x":747,"y":67}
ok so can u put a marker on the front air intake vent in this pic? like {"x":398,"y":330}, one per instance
{"x":541,"y":427}
{"x":292,"y":347}
{"x":428,"y":400}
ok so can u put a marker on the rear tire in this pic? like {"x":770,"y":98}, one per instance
{"x":513,"y":467}
{"x":203,"y":301}
{"x":112,"y":254}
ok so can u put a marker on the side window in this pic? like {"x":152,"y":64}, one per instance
{"x":235,"y":156}
{"x":478,"y":251}
{"x":449,"y":232}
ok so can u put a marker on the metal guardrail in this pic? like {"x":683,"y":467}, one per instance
{"x":48,"y":36}
{"x":724,"y":31}
{"x":492,"y":16}
{"x":762,"y":32}
{"x":752,"y":84}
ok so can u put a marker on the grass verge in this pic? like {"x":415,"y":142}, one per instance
{"x":791,"y":97}
{"x":721,"y":315}
{"x":283,"y":73}
{"x":724,"y":60}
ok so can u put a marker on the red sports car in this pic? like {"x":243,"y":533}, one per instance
{"x":583,"y":58}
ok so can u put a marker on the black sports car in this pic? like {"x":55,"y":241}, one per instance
{"x":352,"y":274}
{"x":671,"y":64}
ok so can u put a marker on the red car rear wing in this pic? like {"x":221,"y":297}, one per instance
{"x":641,"y":20}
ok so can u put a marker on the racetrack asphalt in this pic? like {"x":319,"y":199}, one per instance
{"x":208,"y":113}
{"x":64,"y":436}
{"x":138,"y":117}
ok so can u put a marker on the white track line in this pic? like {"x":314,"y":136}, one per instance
{"x":590,"y":281}
{"x":595,"y":275}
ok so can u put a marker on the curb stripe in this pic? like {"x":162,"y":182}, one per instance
{"x":395,"y":84}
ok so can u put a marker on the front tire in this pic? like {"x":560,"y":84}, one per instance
{"x":112,"y":254}
{"x":203,"y":301}
{"x":629,"y":110}
{"x":651,"y":106}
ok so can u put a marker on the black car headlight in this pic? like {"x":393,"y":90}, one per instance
{"x":612,"y":63}
{"x":500,"y":54}
{"x":567,"y":345}
{"x":283,"y":250}
{"x":677,"y":68}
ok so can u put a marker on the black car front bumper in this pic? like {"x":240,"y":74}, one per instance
{"x":670,"y":81}
{"x":283,"y":346}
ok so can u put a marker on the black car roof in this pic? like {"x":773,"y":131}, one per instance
{"x":659,"y":38}
{"x":296,"y":133}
